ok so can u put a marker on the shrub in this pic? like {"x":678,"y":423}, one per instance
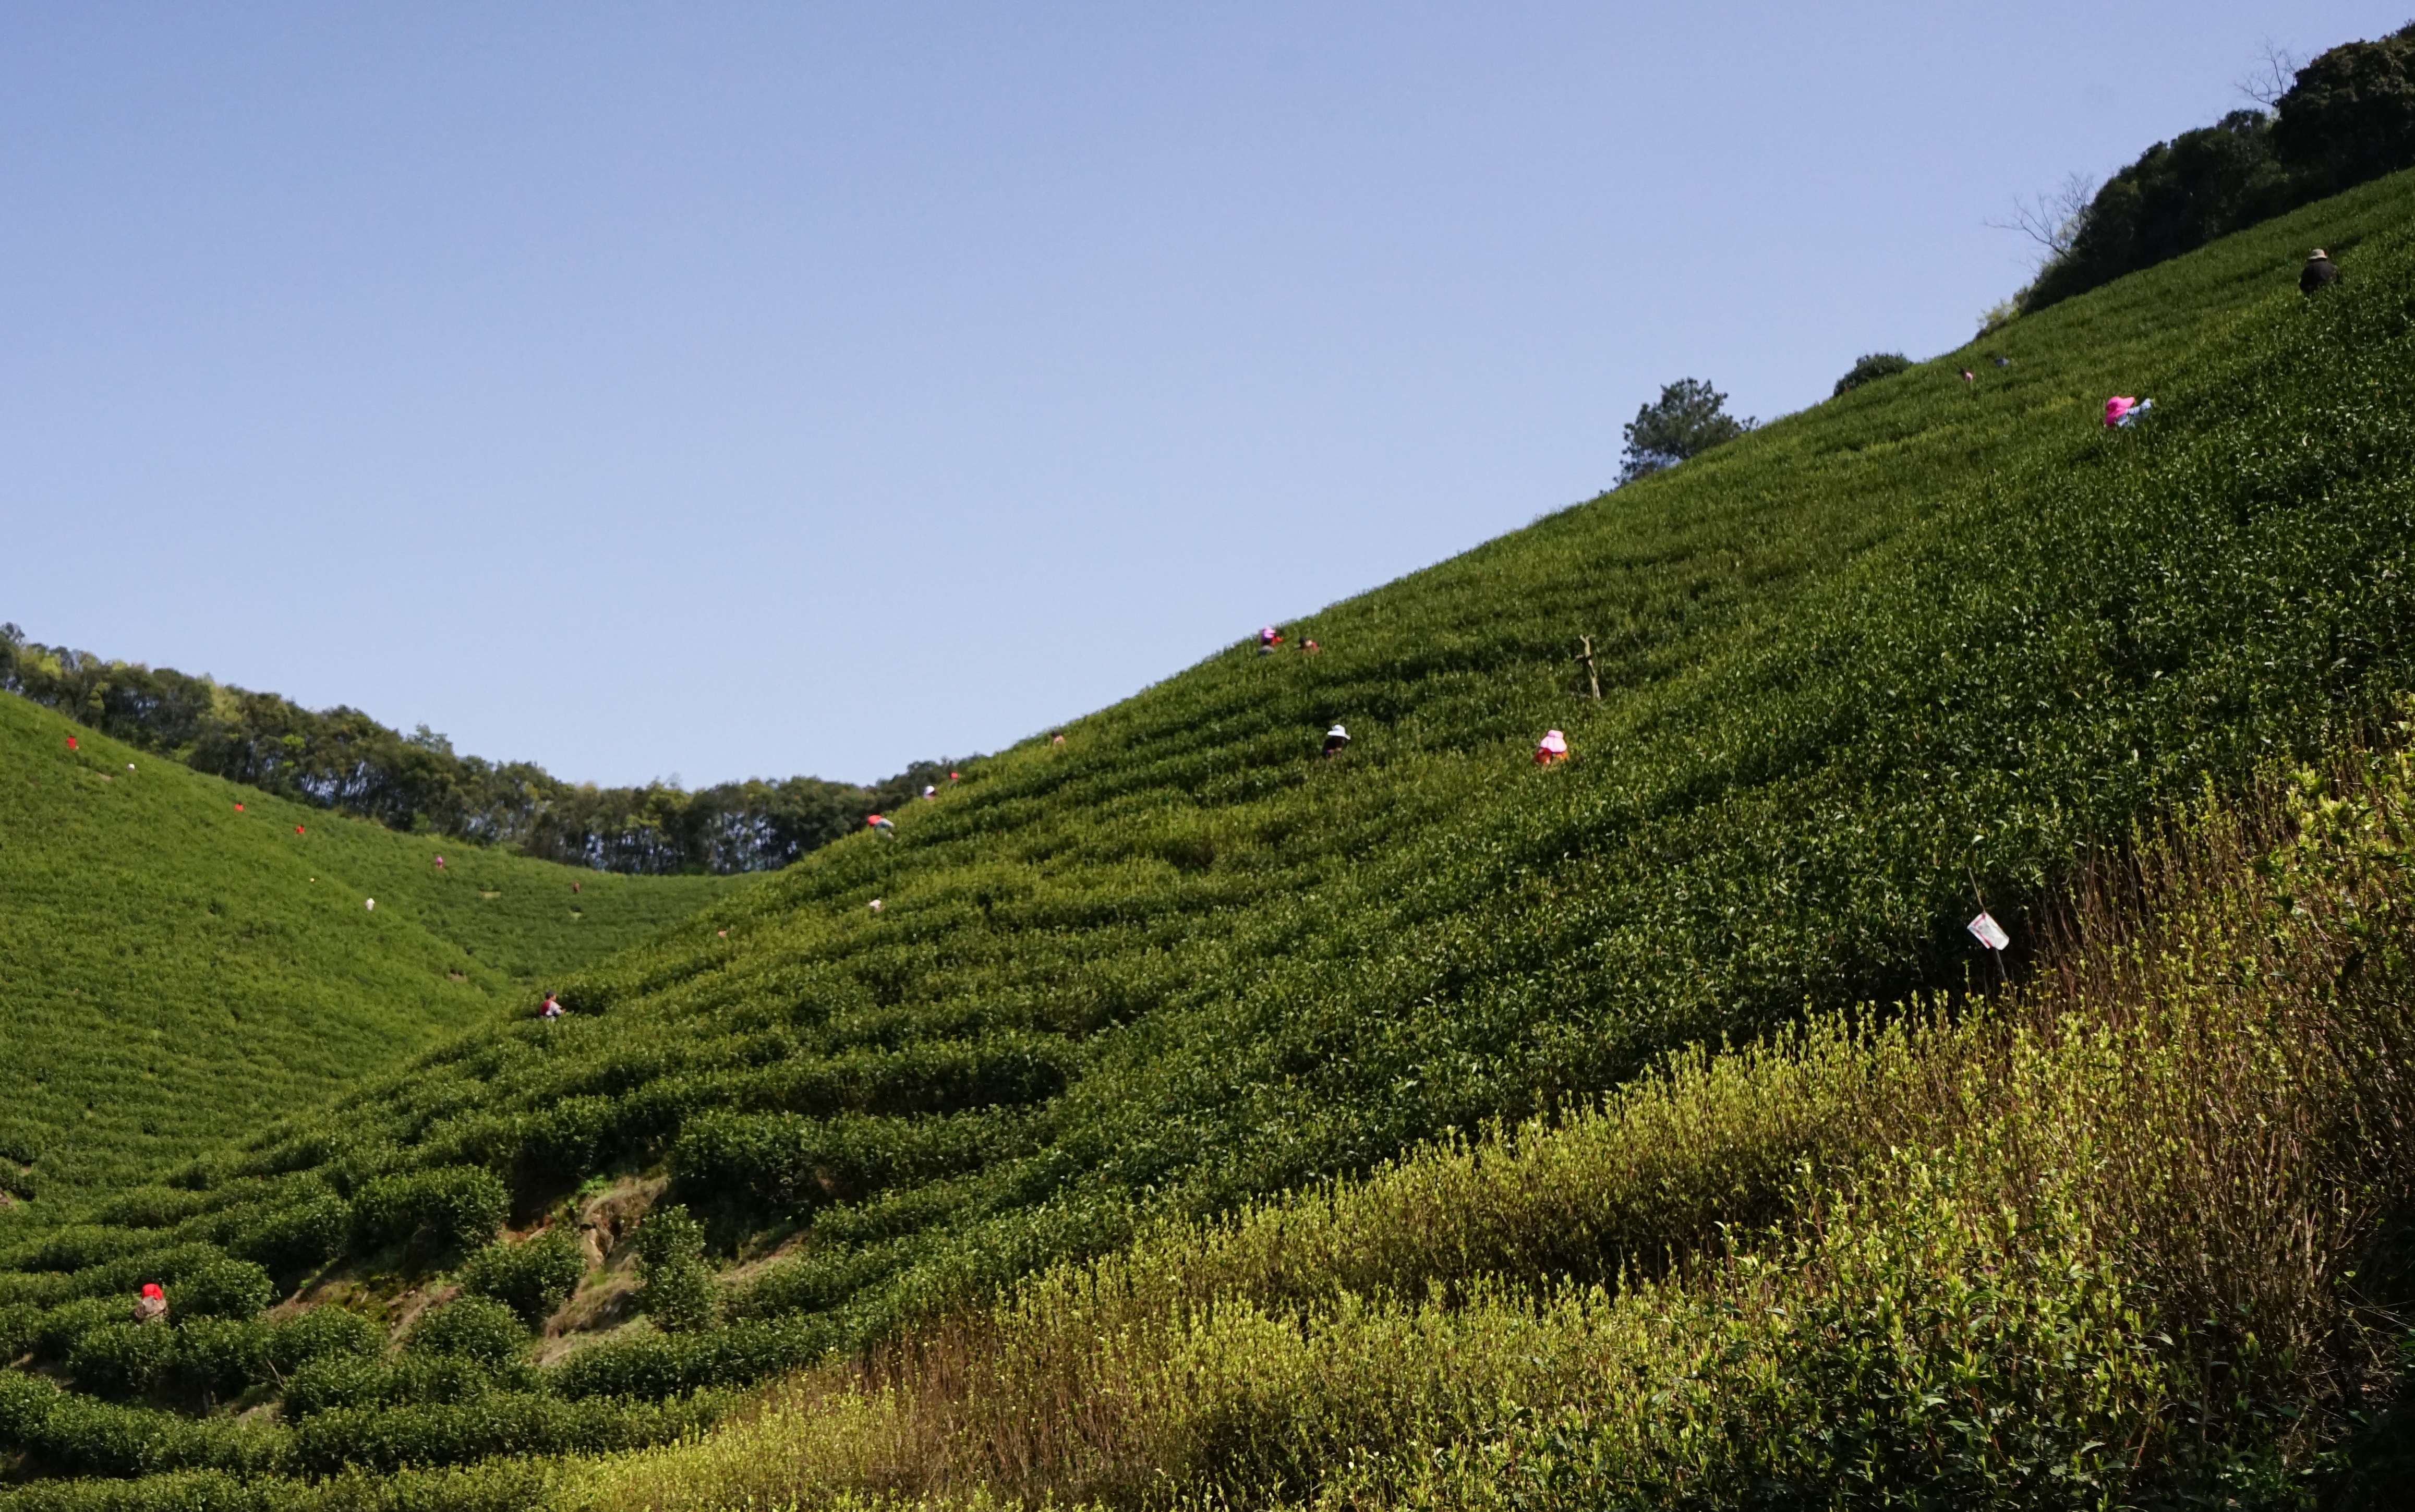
{"x":1869,"y":369}
{"x":324,"y":1333}
{"x":122,"y":1359}
{"x":294,"y":1241}
{"x":221,"y":1288}
{"x":471,"y":1328}
{"x":533,"y":1277}
{"x":447,"y":1208}
{"x":678,"y":1292}
{"x":332,"y":1381}
{"x":221,"y":1357}
{"x":501,"y":1422}
{"x":49,"y":1333}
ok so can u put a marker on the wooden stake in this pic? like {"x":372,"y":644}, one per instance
{"x":1592,"y":679}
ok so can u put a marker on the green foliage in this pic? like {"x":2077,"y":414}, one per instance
{"x":532,"y":1278}
{"x":1688,"y":419}
{"x":431,"y":1212}
{"x":179,"y":972}
{"x":294,"y":1241}
{"x":222,"y":1288}
{"x":1869,"y":369}
{"x":2350,"y":114}
{"x":322,"y":1333}
{"x":471,"y":1328}
{"x":677,"y":1291}
{"x":2028,"y":1254}
{"x":121,"y":1359}
{"x":342,"y":759}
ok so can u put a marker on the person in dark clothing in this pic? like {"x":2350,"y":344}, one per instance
{"x":1335,"y":740}
{"x":2318,"y":272}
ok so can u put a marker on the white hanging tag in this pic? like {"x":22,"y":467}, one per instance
{"x":1991,"y":934}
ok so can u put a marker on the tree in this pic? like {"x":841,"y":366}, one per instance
{"x":1689,"y":419}
{"x":1870,"y":368}
{"x":2350,"y":116}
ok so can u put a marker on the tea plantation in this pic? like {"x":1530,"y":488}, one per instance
{"x":1917,"y":648}
{"x":180,"y":964}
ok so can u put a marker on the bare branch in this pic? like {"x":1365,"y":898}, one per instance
{"x":2277,"y":68}
{"x":2053,"y":219}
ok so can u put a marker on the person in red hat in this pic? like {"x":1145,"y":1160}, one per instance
{"x":152,"y":1305}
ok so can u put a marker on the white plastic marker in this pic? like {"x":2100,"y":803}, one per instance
{"x":1991,"y":934}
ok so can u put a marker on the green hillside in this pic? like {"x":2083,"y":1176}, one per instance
{"x":1915,"y":650}
{"x":177,"y":970}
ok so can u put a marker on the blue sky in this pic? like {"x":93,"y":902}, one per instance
{"x":726,"y":390}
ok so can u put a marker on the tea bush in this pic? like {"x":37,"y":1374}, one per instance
{"x":532,"y":1278}
{"x":471,"y":1328}
{"x":446,"y":1209}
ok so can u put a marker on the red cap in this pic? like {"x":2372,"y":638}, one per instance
{"x":151,"y":1289}
{"x":71,"y":745}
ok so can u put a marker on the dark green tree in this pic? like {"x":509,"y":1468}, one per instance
{"x":1689,"y":418}
{"x":2350,"y":116}
{"x":1870,"y":368}
{"x":2178,"y":196}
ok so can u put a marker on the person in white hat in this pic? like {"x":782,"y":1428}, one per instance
{"x":1335,"y":738}
{"x":2318,"y":272}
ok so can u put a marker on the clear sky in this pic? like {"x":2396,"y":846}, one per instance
{"x":718,"y":390}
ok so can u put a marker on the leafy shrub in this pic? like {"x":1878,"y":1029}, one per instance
{"x":498,"y":1423}
{"x":471,"y":1328}
{"x":122,"y":1359}
{"x":221,"y":1288}
{"x":450,"y":1207}
{"x":677,"y":1291}
{"x":1869,"y":369}
{"x":533,"y":1277}
{"x":324,"y":1333}
{"x":334,"y":1381}
{"x":49,"y":1333}
{"x":294,"y":1241}
{"x":221,"y":1357}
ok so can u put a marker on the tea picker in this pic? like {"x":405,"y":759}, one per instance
{"x":1336,"y":740}
{"x":2318,"y":272}
{"x":1551,"y":749}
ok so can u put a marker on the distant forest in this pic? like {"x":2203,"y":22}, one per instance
{"x":342,"y":759}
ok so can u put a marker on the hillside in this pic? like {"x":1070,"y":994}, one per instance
{"x":341,"y":759}
{"x":180,"y":964}
{"x":1917,"y":648}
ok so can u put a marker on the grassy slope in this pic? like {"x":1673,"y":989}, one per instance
{"x":175,"y":972}
{"x":1921,"y":641}
{"x":2117,"y":1236}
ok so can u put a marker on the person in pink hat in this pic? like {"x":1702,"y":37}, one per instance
{"x":1551,"y":749}
{"x":2120,"y":409}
